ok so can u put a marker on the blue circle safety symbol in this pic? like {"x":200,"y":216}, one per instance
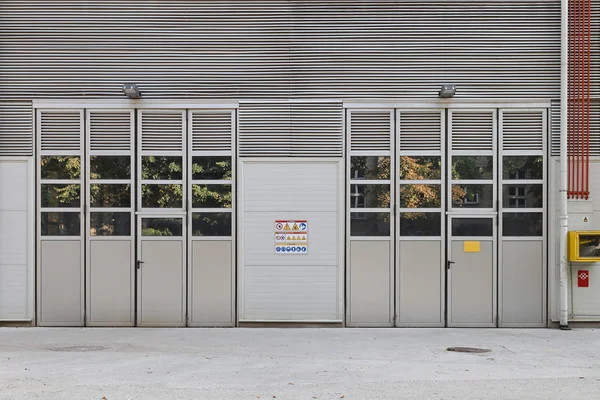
{"x":287,"y":248}
{"x":298,"y":248}
{"x":302,"y":226}
{"x":293,"y":249}
{"x":277,"y":248}
{"x":303,"y":249}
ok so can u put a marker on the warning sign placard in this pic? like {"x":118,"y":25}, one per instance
{"x":291,"y":237}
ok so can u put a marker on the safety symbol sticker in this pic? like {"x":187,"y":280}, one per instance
{"x":291,"y":237}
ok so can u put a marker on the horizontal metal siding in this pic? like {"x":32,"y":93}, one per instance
{"x":252,"y":49}
{"x":16,"y":129}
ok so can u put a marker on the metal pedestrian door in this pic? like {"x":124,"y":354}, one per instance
{"x":471,"y":271}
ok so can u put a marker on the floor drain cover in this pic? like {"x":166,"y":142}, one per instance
{"x":468,"y":350}
{"x":76,"y":348}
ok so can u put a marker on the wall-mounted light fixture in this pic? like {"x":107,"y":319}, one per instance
{"x":447,"y":90}
{"x":132,"y":91}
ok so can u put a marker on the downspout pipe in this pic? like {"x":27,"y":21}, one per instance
{"x":563,"y":204}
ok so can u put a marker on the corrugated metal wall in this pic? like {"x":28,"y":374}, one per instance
{"x":269,"y":49}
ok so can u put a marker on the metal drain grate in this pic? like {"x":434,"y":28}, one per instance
{"x":76,"y":348}
{"x":468,"y":350}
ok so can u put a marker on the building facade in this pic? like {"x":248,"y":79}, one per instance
{"x":286,"y":161}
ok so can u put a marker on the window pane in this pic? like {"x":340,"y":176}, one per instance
{"x":420,"y":224}
{"x":369,"y":196}
{"x":110,"y":167}
{"x":369,"y":167}
{"x":472,"y":167}
{"x":472,"y":227}
{"x":162,"y":167}
{"x":420,"y":196}
{"x":522,"y":224}
{"x":522,"y":196}
{"x":472,"y":196}
{"x":60,"y":224}
{"x":60,"y":195}
{"x":211,"y":167}
{"x":211,"y":196}
{"x":162,"y":196}
{"x":59,"y":167}
{"x":162,"y":226}
{"x":523,"y":167}
{"x":414,"y":168}
{"x":110,"y":224}
{"x":110,"y":195}
{"x":211,"y":224}
{"x":369,"y":224}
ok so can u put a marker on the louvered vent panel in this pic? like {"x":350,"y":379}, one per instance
{"x":594,"y":128}
{"x":523,"y":130}
{"x":162,"y":131}
{"x":60,"y":130}
{"x":212,"y":130}
{"x":472,"y":130}
{"x":420,"y":131}
{"x":16,"y":129}
{"x":555,"y":127}
{"x":291,"y":129}
{"x":370,"y":130}
{"x":110,"y":131}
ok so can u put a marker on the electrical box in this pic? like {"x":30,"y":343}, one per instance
{"x":584,"y":246}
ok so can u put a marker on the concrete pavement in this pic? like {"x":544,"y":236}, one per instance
{"x":256,"y":363}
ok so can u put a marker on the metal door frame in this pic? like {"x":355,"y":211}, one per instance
{"x":494,"y":240}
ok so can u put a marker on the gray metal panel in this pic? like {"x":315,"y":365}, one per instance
{"x":211,"y":291}
{"x":161,"y":283}
{"x":370,"y":292}
{"x":421,"y":285}
{"x":16,"y":128}
{"x":111,"y":283}
{"x":280,"y":48}
{"x":471,"y":286}
{"x":61,"y":283}
{"x":522,"y":281}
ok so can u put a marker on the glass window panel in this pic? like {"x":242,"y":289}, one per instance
{"x":420,"y":224}
{"x":110,"y":224}
{"x":162,"y":196}
{"x":472,"y":167}
{"x":472,"y":196}
{"x":211,"y":224}
{"x":472,"y":227}
{"x":211,"y":196}
{"x":369,"y":224}
{"x":369,"y":196}
{"x":522,"y":167}
{"x":110,"y":167}
{"x":414,"y":168}
{"x":522,"y":224}
{"x":369,"y":167}
{"x":162,"y":226}
{"x":60,"y":223}
{"x":60,"y":195}
{"x":522,"y":196}
{"x":60,"y":167}
{"x":110,"y":195}
{"x":162,"y":167}
{"x":589,"y":246}
{"x":217,"y":167}
{"x":420,"y":196}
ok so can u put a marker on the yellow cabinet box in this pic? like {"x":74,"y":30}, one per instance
{"x":584,"y":246}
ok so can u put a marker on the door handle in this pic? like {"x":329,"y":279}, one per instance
{"x":139,"y":263}
{"x":449,"y":263}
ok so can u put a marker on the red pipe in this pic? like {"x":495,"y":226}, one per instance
{"x":588,"y":99}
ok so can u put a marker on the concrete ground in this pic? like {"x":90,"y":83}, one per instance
{"x":253,"y":363}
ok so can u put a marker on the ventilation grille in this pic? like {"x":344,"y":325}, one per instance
{"x":16,"y":129}
{"x":291,"y":129}
{"x":420,"y":131}
{"x":370,"y":130}
{"x":212,"y":130}
{"x":162,"y":131}
{"x":110,"y":131}
{"x":60,"y":130}
{"x":523,"y":130}
{"x":472,"y":130}
{"x":594,"y":127}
